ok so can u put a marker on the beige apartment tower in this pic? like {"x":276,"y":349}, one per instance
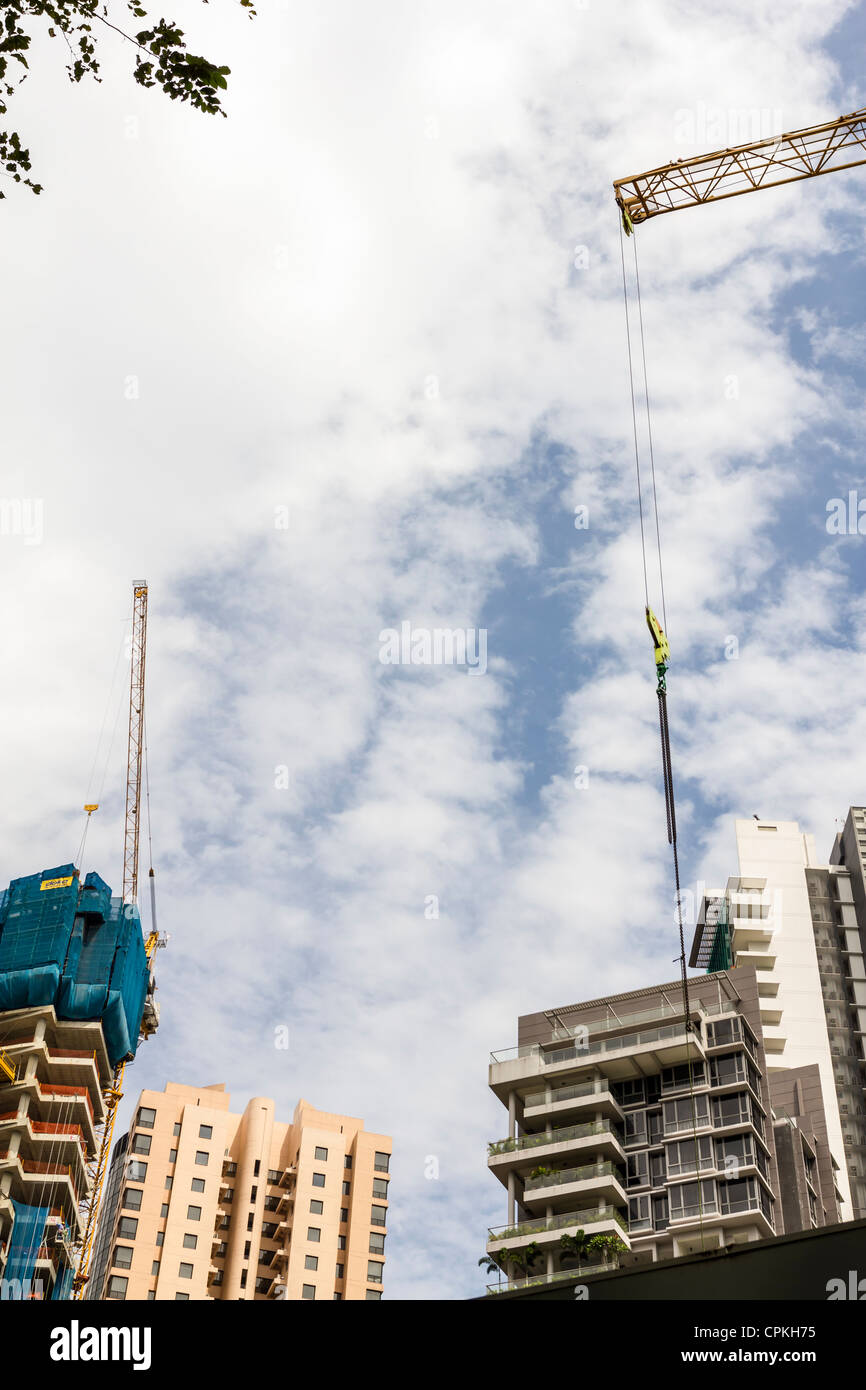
{"x":202,"y":1203}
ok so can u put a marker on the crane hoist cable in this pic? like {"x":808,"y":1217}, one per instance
{"x":661,"y":655}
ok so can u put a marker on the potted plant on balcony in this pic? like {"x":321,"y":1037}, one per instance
{"x":574,"y":1247}
{"x":541,"y":1172}
{"x":608,"y":1246}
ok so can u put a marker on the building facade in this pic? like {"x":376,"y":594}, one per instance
{"x":626,"y":1120}
{"x":202,"y":1203}
{"x":802,"y":926}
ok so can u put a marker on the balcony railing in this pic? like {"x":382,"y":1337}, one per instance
{"x":587,"y":1050}
{"x":537,"y":1280}
{"x":584,"y":1088}
{"x":567,"y":1175}
{"x":591,"y":1217}
{"x":556,"y":1136}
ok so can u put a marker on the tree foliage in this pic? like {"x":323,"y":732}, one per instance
{"x":160,"y":52}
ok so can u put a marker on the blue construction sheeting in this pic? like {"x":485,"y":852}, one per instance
{"x":28,"y":1231}
{"x":74,"y":946}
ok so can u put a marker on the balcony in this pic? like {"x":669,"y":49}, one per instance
{"x":594,"y":1096}
{"x":598,"y":1137}
{"x":547,"y":1230}
{"x":663,"y":1047}
{"x":603,"y":1181}
{"x":534,"y":1281}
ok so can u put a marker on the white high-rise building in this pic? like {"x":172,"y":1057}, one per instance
{"x":793,"y":917}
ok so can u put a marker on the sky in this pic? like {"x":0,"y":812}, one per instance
{"x":351,"y":359}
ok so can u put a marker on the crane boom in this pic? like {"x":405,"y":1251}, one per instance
{"x":707,"y":178}
{"x":135,"y":746}
{"x":135,"y":742}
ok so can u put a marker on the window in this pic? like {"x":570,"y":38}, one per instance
{"x":321,"y":1154}
{"x":193,"y":1213}
{"x":197,"y":1185}
{"x":314,"y":1233}
{"x":380,"y":1188}
{"x":373,"y":1295}
{"x":380,"y":1162}
{"x":190,"y":1242}
{"x":127,"y":1227}
{"x":141,"y":1144}
{"x":160,"y":1237}
{"x":657,"y":1170}
{"x":254,"y":1192}
{"x":374,"y":1272}
{"x":311,"y":1262}
{"x":738,"y":1195}
{"x":122,"y":1256}
{"x":257,"y":1167}
{"x":136,"y":1171}
{"x":185,"y":1271}
{"x":146,"y":1117}
{"x":378,"y":1216}
{"x":638,"y":1170}
{"x":377,"y":1243}
{"x":243,"y":1278}
{"x":318,"y":1180}
{"x":731,"y":1110}
{"x":271,"y":1203}
{"x":344,"y":1213}
{"x":117,"y":1286}
{"x":250,"y":1219}
{"x":163,"y":1211}
{"x":308,"y":1291}
{"x":176,"y":1129}
{"x":316,"y":1208}
{"x":660,"y":1213}
{"x":132,"y":1198}
{"x":229,"y":1195}
{"x":205,"y":1131}
{"x":686,"y":1200}
{"x":151,"y":1293}
{"x":172,"y":1155}
{"x":338,"y":1297}
{"x":730,"y":1066}
{"x":674,"y":1078}
{"x":269,"y":1230}
{"x":341,"y":1242}
{"x":635,"y":1129}
{"x":247,"y":1247}
{"x":347,"y":1187}
{"x":201,"y":1157}
{"x":679,"y":1117}
{"x":154,"y":1268}
{"x":274,"y":1175}
{"x":181,"y":1298}
{"x":347,"y":1161}
{"x":339,"y":1271}
{"x":683,"y":1157}
{"x":639,"y":1214}
{"x":654,"y":1126}
{"x":169,"y":1180}
{"x":628,"y":1092}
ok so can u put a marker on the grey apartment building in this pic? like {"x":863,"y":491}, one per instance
{"x":629,"y":1118}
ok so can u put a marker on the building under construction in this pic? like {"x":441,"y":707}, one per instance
{"x":76,"y":995}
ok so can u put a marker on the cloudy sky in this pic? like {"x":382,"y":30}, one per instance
{"x":351,"y":359}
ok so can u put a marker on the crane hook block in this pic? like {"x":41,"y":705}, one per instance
{"x":661,"y":645}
